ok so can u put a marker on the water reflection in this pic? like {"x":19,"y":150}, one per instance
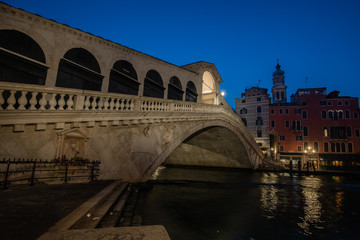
{"x":269,"y":194}
{"x":312,"y":205}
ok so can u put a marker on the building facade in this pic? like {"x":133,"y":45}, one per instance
{"x":253,"y":108}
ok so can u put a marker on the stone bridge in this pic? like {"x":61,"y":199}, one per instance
{"x":68,"y":94}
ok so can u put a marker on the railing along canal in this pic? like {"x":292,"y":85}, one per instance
{"x":56,"y":171}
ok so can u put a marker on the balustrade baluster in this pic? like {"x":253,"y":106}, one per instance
{"x":93,"y":104}
{"x":61,"y":102}
{"x":106,"y":103}
{"x":87,"y":103}
{"x":112,"y":104}
{"x":117,"y":104}
{"x":70,"y":103}
{"x":22,"y":100}
{"x":33,"y":100}
{"x":101,"y":103}
{"x":122,"y":104}
{"x":42,"y":101}
{"x":132,"y":105}
{"x":11,"y":100}
{"x":52,"y":101}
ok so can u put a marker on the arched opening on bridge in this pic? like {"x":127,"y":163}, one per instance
{"x":21,"y":59}
{"x":273,"y":145}
{"x":79,"y":69}
{"x":175,"y":89}
{"x":191,"y":94}
{"x":208,"y":88}
{"x":211,"y":147}
{"x":153,"y":85}
{"x":123,"y":78}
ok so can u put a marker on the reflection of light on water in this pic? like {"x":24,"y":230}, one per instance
{"x":269,"y":199}
{"x":312,"y":208}
{"x":157,"y":172}
{"x":339,"y":200}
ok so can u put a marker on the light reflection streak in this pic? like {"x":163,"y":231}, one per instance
{"x":269,"y":195}
{"x":339,"y":202}
{"x":312,"y":205}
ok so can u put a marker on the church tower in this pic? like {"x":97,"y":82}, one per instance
{"x":279,"y":89}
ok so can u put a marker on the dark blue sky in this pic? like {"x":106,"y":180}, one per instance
{"x":318,"y":39}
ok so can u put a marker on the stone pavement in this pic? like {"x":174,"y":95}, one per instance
{"x":26,"y":212}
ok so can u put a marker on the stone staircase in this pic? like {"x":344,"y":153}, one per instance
{"x":110,"y":213}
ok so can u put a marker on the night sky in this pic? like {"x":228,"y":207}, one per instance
{"x":318,"y":39}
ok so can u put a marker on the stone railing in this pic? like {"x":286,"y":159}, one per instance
{"x":25,"y":97}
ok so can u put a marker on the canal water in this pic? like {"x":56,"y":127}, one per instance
{"x":207,"y":204}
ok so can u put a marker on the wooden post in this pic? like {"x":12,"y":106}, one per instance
{"x":33,"y":174}
{"x":66,"y":172}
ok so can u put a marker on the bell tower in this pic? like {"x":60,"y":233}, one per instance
{"x":279,"y":89}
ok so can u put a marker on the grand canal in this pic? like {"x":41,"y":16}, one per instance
{"x":230,"y":205}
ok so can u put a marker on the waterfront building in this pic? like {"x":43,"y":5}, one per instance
{"x":253,"y":108}
{"x":318,"y":127}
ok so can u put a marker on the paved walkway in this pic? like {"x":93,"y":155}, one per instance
{"x":27,"y":212}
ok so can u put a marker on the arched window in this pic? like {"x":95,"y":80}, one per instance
{"x":348,"y":132}
{"x":123,"y":78}
{"x":323,"y":114}
{"x":277,"y":95}
{"x":306,"y":146}
{"x":332,"y":147}
{"x":326,"y":147}
{"x":79,"y":69}
{"x":191,"y":94}
{"x":175,"y":89}
{"x":350,"y":147}
{"x":258,"y":109}
{"x":243,"y":111}
{"x":21,"y":59}
{"x":316,"y":146}
{"x":343,"y":147}
{"x":325,"y":132}
{"x":153,"y":85}
{"x":340,"y":114}
{"x":330,"y":114}
{"x":337,"y":147}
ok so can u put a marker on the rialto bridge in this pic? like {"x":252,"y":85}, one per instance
{"x":67,"y":93}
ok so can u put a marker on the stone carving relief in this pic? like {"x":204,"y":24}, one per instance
{"x":168,"y":136}
{"x":71,"y":144}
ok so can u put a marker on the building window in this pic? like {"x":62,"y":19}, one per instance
{"x":259,"y":121}
{"x":243,"y":100}
{"x":272,"y":123}
{"x":325,"y":132}
{"x":258,"y":109}
{"x":336,"y":115}
{"x":298,"y":138}
{"x":322,"y":103}
{"x":329,"y":103}
{"x":244,"y":121}
{"x":356,"y":115}
{"x":281,"y":148}
{"x":347,"y":114}
{"x":332,"y":147}
{"x":305,"y":131}
{"x":298,"y":125}
{"x":243,"y":111}
{"x":306,"y":146}
{"x":303,"y":103}
{"x":350,"y":147}
{"x":280,"y":111}
{"x":286,"y":111}
{"x":316,"y":146}
{"x":330,"y":114}
{"x":357,"y":133}
{"x":346,"y":103}
{"x":343,"y":147}
{"x":337,"y":147}
{"x":299,"y":148}
{"x":272,"y":111}
{"x":258,"y":99}
{"x":282,"y":138}
{"x":297,"y":111}
{"x":348,"y":131}
{"x":304,"y":114}
{"x":340,"y":114}
{"x":259,"y":134}
{"x":323,"y":114}
{"x":340,"y":103}
{"x":287,"y":123}
{"x":326,"y":147}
